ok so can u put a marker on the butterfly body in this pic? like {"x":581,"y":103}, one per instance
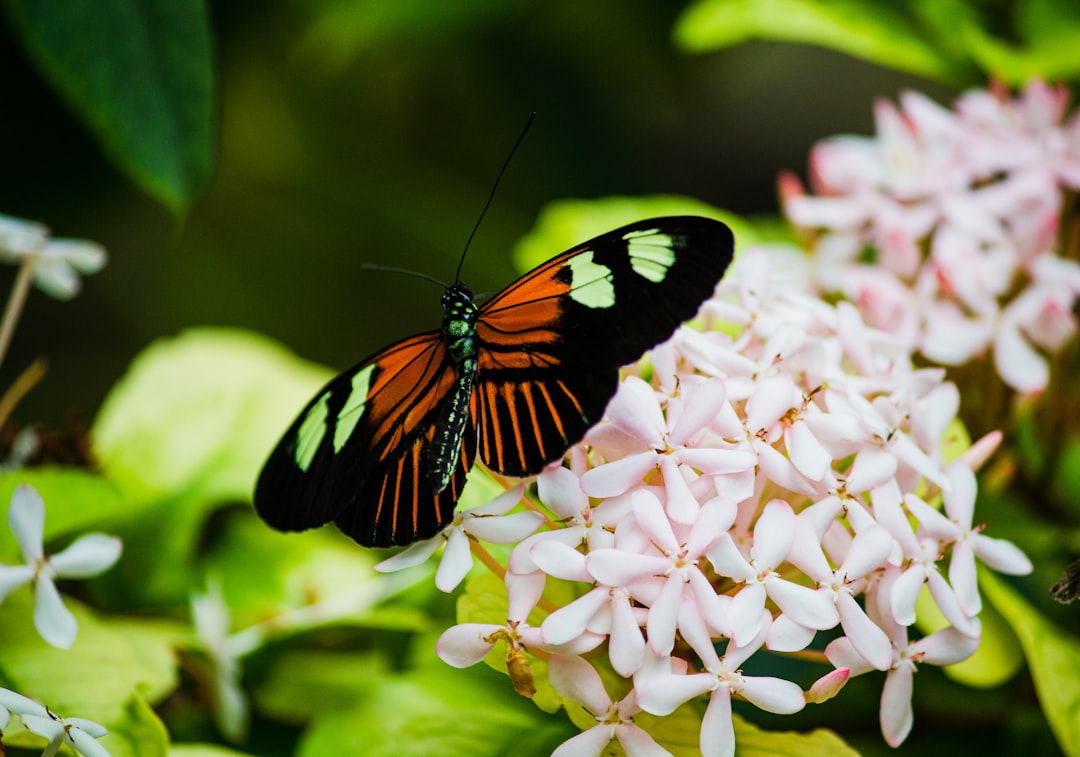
{"x":384,"y":448}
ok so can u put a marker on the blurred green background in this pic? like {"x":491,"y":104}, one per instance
{"x":356,"y":132}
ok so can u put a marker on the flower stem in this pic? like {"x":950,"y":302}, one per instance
{"x":26,"y":381}
{"x":19,"y":291}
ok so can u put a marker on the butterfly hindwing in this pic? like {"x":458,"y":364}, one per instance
{"x":355,"y":455}
{"x":551,"y":343}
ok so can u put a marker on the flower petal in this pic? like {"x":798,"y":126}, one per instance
{"x":26,"y":517}
{"x":578,"y":680}
{"x":87,"y":556}
{"x":52,"y":619}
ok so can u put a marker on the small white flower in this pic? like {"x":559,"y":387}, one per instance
{"x":87,"y":556}
{"x":212,"y":621}
{"x":59,"y":262}
{"x":78,"y":733}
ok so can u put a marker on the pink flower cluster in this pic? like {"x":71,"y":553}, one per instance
{"x":771,"y":483}
{"x":943,"y":228}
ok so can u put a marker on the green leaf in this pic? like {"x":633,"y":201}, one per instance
{"x":999,"y":656}
{"x":873,"y":31}
{"x":106,"y":676}
{"x":448,"y":713}
{"x":76,"y":500}
{"x":108,"y":663}
{"x":1053,"y":656}
{"x":752,"y":741}
{"x":140,"y":75}
{"x":204,"y":750}
{"x":566,"y":223}
{"x":198,"y":413}
{"x":302,"y":685}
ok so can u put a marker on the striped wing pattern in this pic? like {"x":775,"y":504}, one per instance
{"x":549,"y":348}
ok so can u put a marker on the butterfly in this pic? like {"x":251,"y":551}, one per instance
{"x":384,"y":448}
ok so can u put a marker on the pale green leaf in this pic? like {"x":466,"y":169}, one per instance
{"x":140,"y":75}
{"x":566,"y":223}
{"x":1053,"y":657}
{"x":302,"y":685}
{"x":204,"y":750}
{"x":752,"y":741}
{"x":198,"y":413}
{"x":449,"y":713}
{"x":873,"y":31}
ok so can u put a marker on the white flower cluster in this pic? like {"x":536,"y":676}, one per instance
{"x":943,"y":228}
{"x":772,"y":481}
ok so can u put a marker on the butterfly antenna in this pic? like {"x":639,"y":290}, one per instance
{"x":392,"y":269}
{"x":491,"y":196}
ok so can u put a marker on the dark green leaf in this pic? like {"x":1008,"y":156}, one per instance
{"x":139,"y":74}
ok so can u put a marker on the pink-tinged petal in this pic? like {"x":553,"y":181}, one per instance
{"x":714,"y":519}
{"x":456,"y":561}
{"x":904,"y":448}
{"x":872,"y":467}
{"x":963,"y":579}
{"x":663,"y":614}
{"x":692,"y":627}
{"x":578,"y":680}
{"x":745,"y":613}
{"x":1017,"y":362}
{"x":682,"y":507}
{"x":869,"y":551}
{"x":588,"y":743}
{"x":626,"y":644}
{"x":714,"y":461}
{"x":828,"y":686}
{"x":635,"y":410}
{"x":572,"y":536}
{"x":717,"y":737}
{"x":662,"y":694}
{"x":905,"y":592}
{"x":560,"y":490}
{"x":825,"y":212}
{"x":466,"y":644}
{"x":504,"y":529}
{"x":523,"y":591}
{"x":931,"y":522}
{"x":569,"y":621}
{"x":1001,"y":555}
{"x":618,"y":476}
{"x":779,"y":469}
{"x":774,"y":533}
{"x":615,"y":567}
{"x":702,"y":406}
{"x":26,"y":517}
{"x":773,"y":396}
{"x":86,"y":744}
{"x":728,"y":561}
{"x":841,"y":653}
{"x":14,"y":576}
{"x":960,"y":503}
{"x":636,"y":742}
{"x":808,"y":607}
{"x":945,"y":599}
{"x":888,"y":512}
{"x":806,"y":553}
{"x":947,"y":647}
{"x":896,"y":714}
{"x":411,"y":556}
{"x":773,"y":694}
{"x":559,"y":560}
{"x":785,"y":635}
{"x":935,"y":412}
{"x":807,"y":454}
{"x":868,"y":640}
{"x":500,"y":505}
{"x":52,"y":619}
{"x":652,"y":519}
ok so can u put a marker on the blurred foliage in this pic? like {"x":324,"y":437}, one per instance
{"x":286,"y":143}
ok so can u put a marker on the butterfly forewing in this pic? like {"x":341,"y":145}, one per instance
{"x":547,"y":349}
{"x":552,"y":344}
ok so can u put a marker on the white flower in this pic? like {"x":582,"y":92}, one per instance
{"x":59,"y":262}
{"x":212,"y":621}
{"x":78,"y":733}
{"x":87,"y":556}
